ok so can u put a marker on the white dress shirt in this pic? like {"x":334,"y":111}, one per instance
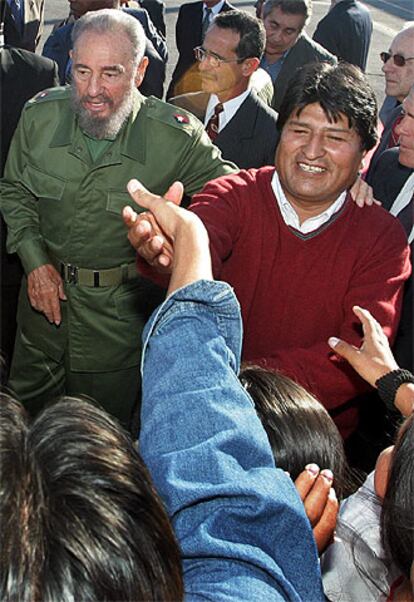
{"x":214,"y":10}
{"x":230,"y":108}
{"x":290,"y":216}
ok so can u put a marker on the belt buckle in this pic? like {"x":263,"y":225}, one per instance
{"x":72,"y":273}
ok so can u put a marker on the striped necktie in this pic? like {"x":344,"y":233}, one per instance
{"x":212,"y":127}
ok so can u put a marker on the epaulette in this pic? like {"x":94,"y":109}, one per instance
{"x":60,"y":92}
{"x":171,"y":115}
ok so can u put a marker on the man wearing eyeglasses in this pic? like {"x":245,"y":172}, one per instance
{"x":193,"y":21}
{"x":236,"y":119}
{"x":398,"y":69}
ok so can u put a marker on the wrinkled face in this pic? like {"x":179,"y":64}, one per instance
{"x":227,"y":79}
{"x":80,"y":7}
{"x":405,"y":131}
{"x":282,"y":30}
{"x":398,"y":80}
{"x":317,"y":159}
{"x":103,"y":80}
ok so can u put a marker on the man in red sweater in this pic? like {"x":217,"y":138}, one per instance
{"x":295,"y":247}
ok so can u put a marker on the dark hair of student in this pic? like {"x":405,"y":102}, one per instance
{"x":397,"y":517}
{"x":340,"y":89}
{"x":80,"y":518}
{"x":299,"y":429}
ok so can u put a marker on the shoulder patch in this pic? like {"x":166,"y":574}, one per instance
{"x":60,"y":92}
{"x":181,"y":118}
{"x":171,"y":115}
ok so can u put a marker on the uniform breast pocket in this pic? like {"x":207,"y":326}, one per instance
{"x":49,"y":191}
{"x":116,"y":201}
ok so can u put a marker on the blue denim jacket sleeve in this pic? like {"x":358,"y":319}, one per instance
{"x":241,"y":526}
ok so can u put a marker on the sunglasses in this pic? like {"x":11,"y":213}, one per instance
{"x":398,"y":59}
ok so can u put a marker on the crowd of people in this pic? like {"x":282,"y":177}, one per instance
{"x":206,"y":309}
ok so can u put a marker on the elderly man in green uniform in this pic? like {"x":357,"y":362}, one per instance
{"x":82,"y":306}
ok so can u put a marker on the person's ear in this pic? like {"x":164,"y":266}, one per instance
{"x":140,"y":71}
{"x":249,"y":66}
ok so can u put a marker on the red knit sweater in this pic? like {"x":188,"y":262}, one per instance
{"x":297,"y":290}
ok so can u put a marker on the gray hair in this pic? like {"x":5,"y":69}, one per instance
{"x":291,"y":7}
{"x":112,"y":21}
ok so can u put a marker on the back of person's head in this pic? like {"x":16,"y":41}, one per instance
{"x":299,"y":429}
{"x":397,"y":517}
{"x":340,"y":89}
{"x":115,"y":23}
{"x":290,"y":7}
{"x":80,"y":517}
{"x":251,"y":31}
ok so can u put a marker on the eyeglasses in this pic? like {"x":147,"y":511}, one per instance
{"x":201,"y":54}
{"x":398,"y":59}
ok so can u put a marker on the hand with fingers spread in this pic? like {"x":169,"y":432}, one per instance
{"x":374,"y":358}
{"x":45,"y":290}
{"x":362,"y":193}
{"x":175,"y":232}
{"x":321,"y":505}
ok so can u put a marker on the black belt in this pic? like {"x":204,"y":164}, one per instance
{"x":73,"y":274}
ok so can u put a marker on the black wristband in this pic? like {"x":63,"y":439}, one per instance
{"x":388,"y":385}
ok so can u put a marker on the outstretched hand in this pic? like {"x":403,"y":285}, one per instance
{"x":167,"y":235}
{"x":374,"y":358}
{"x":148,"y":238}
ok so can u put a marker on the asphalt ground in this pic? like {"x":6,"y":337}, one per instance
{"x":388,"y":17}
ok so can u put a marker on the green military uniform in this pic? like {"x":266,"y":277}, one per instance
{"x":61,"y":207}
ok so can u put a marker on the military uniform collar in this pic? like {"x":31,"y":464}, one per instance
{"x":67,"y":133}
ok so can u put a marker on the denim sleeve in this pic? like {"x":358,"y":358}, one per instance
{"x":239,"y":521}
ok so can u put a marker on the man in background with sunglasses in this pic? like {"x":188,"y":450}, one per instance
{"x":399,"y":77}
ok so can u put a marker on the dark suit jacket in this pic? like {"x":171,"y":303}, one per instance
{"x":29,"y":38}
{"x":156,"y":10}
{"x":387,"y":179}
{"x":250,"y":137}
{"x":385,"y":138}
{"x":188,"y":35}
{"x":303,"y":52}
{"x":59,"y":43}
{"x":22,"y":75}
{"x":346,"y":31}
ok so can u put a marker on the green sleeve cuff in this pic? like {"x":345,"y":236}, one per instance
{"x":33,"y":254}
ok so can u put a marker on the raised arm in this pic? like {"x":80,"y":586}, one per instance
{"x":239,"y":521}
{"x":374,"y":359}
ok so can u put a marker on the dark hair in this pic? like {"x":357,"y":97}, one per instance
{"x":299,"y":429}
{"x":251,"y":31}
{"x":397,"y":516}
{"x":339,"y":89}
{"x":85,"y":522}
{"x":290,"y":7}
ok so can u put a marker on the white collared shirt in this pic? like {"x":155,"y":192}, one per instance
{"x":402,"y":201}
{"x":214,"y":9}
{"x":230,"y":108}
{"x":291,"y":218}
